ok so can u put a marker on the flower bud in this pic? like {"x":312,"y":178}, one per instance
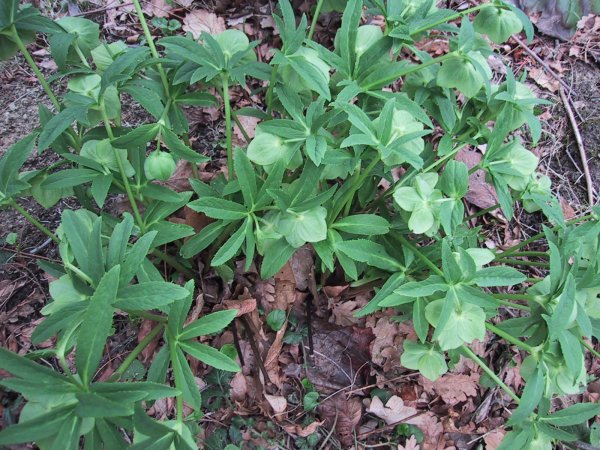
{"x":159,"y":166}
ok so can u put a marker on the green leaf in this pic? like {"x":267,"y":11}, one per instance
{"x":310,"y":401}
{"x":369,"y":252}
{"x":461,"y":74}
{"x":498,"y":276}
{"x":497,"y":23}
{"x":97,"y":322}
{"x":117,"y":244}
{"x":26,"y":369}
{"x":303,"y":226}
{"x":424,"y":358}
{"x":38,"y":428}
{"x":532,"y":394}
{"x":138,"y":137}
{"x":58,"y":124}
{"x":208,"y":324}
{"x":149,"y":295}
{"x":246,"y":177}
{"x":179,"y":310}
{"x":311,"y":74}
{"x":279,"y":253}
{"x":11,"y":162}
{"x":185,"y":379}
{"x":423,"y":288}
{"x":209,"y":355}
{"x":69,"y":178}
{"x":386,"y":290}
{"x":203,"y":239}
{"x":276,"y":319}
{"x":182,"y":151}
{"x":219,"y":208}
{"x":365,"y":224}
{"x":419,"y":320}
{"x":94,"y":405}
{"x":232,"y":245}
{"x":135,"y":257}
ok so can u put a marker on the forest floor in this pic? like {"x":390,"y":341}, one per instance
{"x":367,"y":398}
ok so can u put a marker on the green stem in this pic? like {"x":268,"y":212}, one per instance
{"x":314,"y":20}
{"x":142,"y":19}
{"x":535,"y":237}
{"x":136,"y":351}
{"x":358,"y":182}
{"x":272,"y":82}
{"x":522,"y":254}
{"x":126,"y":184}
{"x":81,"y":56}
{"x":409,"y":69}
{"x":146,"y":315}
{"x":170,"y":260}
{"x":34,"y":67}
{"x":590,"y":348}
{"x":419,"y":254}
{"x":241,"y":127}
{"x":527,"y":297}
{"x":508,"y":337}
{"x":449,"y":19}
{"x":513,"y":305}
{"x":178,"y":381}
{"x":228,"y":130}
{"x":80,"y":274}
{"x":518,"y":262}
{"x":469,"y":353}
{"x":482,"y":212}
{"x":36,"y":223}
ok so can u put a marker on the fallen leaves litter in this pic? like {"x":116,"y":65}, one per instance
{"x":200,"y":20}
{"x":394,"y":411}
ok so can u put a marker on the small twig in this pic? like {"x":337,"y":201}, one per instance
{"x":308,"y":304}
{"x":236,"y":342}
{"x":40,"y":247}
{"x":543,"y":63}
{"x":579,"y":140}
{"x":255,"y":350}
{"x":322,"y":446}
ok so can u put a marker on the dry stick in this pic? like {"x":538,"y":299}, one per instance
{"x":543,"y":63}
{"x":579,"y":140}
{"x":236,"y":342}
{"x":249,"y":331}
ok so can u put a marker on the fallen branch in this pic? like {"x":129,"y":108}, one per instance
{"x":580,"y":146}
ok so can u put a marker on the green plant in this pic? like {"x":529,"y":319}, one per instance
{"x":331,"y":132}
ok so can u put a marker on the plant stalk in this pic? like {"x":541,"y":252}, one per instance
{"x":35,"y":68}
{"x":148,"y":36}
{"x":314,"y":20}
{"x":178,"y":381}
{"x":136,"y":351}
{"x":36,"y":223}
{"x":272,"y":82}
{"x":228,"y":130}
{"x":468,"y":352}
{"x":130,"y":196}
{"x":419,"y":254}
{"x":170,"y":260}
{"x":449,"y":19}
{"x":510,"y":338}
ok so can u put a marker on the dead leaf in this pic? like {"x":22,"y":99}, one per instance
{"x":493,"y":439}
{"x":244,"y":306}
{"x":567,"y":209}
{"x":239,"y":387}
{"x":277,"y":402}
{"x":200,"y":20}
{"x":544,"y":79}
{"x":455,"y":388}
{"x":271,"y":360}
{"x":249,"y":125}
{"x":300,"y":431}
{"x":432,"y":430}
{"x":411,"y":444}
{"x":160,"y":8}
{"x":394,"y":410}
{"x":481,"y":193}
{"x":348,"y":413}
{"x":385,"y":334}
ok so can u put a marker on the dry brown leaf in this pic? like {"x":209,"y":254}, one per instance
{"x":244,"y":306}
{"x":348,"y":413}
{"x":302,"y":264}
{"x":160,"y":8}
{"x":271,"y":360}
{"x":493,"y":439}
{"x":455,"y":388}
{"x":200,"y":20}
{"x":432,"y":430}
{"x":394,"y":410}
{"x":239,"y":387}
{"x":411,"y":444}
{"x":481,"y":193}
{"x":385,"y":334}
{"x":343,"y":313}
{"x":249,"y":124}
{"x":544,"y":79}
{"x":300,"y":431}
{"x":277,"y":403}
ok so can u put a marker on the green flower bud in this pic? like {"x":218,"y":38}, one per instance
{"x":159,"y":166}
